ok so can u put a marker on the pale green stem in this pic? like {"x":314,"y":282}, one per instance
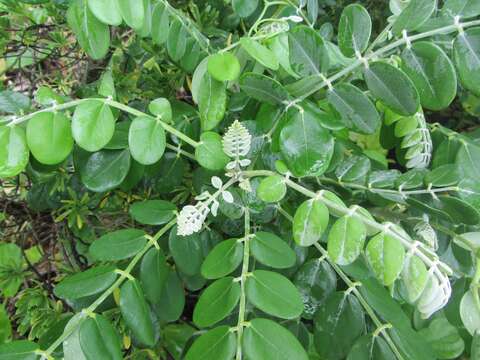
{"x":385,"y":49}
{"x":181,"y":151}
{"x":458,"y":238}
{"x":259,"y":19}
{"x":475,"y":285}
{"x":111,"y":103}
{"x":123,"y":275}
{"x":378,"y":38}
{"x":257,"y":37}
{"x":391,"y":191}
{"x":243,"y":278}
{"x":166,"y":126}
{"x":428,"y":258}
{"x":351,"y":285}
{"x":300,"y":12}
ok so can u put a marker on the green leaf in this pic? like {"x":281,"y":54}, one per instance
{"x":432,"y":73}
{"x":263,"y":88}
{"x":136,"y":313}
{"x":444,"y":175}
{"x":92,"y":35}
{"x":197,"y":79}
{"x":265,"y":339}
{"x":146,"y":139}
{"x":19,"y":350}
{"x":224,"y":258}
{"x":244,"y":8}
{"x":385,"y":255}
{"x":272,"y":189}
{"x":5,"y":326}
{"x":14,"y":153}
{"x":307,"y":51}
{"x":119,"y":140}
{"x":161,"y":107}
{"x":146,"y":28}
{"x":414,"y":278}
{"x":118,"y":245}
{"x":470,"y":313}
{"x":466,"y":51}
{"x":12,"y":269}
{"x":346,"y":240}
{"x":260,"y":53}
{"x":463,"y":8}
{"x":49,"y":137}
{"x":186,"y":251}
{"x":272,"y":251}
{"x":98,"y":339}
{"x":309,"y":222}
{"x":369,"y":347}
{"x":223,"y":66}
{"x":72,"y":349}
{"x":135,"y":174}
{"x":459,"y":210}
{"x":354,"y":30}
{"x":12,"y":102}
{"x":45,"y":96}
{"x":378,"y":297}
{"x":280,"y":47}
{"x":152,"y":212}
{"x":93,"y":125}
{"x":356,"y":110}
{"x":411,"y":179}
{"x":85,"y":283}
{"x":107,"y":11}
{"x":392,"y":87}
{"x":414,"y":15}
{"x":212,"y":102}
{"x":468,"y":160}
{"x":353,"y":168}
{"x":444,"y":339}
{"x":160,"y":24}
{"x":153,"y":274}
{"x":305,"y":145}
{"x":209,"y":153}
{"x":172,"y":299}
{"x":218,"y":343}
{"x":475,"y":350}
{"x":274,"y":294}
{"x":216,"y":302}
{"x":133,"y":13}
{"x":106,"y":87}
{"x":105,"y":170}
{"x":315,"y":280}
{"x":176,"y":337}
{"x":338,"y":323}
{"x":177,"y":40}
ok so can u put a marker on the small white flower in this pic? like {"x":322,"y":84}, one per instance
{"x":245,"y":185}
{"x":227,"y":196}
{"x":203,"y":196}
{"x":237,"y":140}
{"x":231,"y":165}
{"x":215,"y":205}
{"x":294,"y":18}
{"x":216,"y":182}
{"x":245,"y":162}
{"x":190,"y":220}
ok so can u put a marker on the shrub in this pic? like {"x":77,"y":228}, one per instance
{"x":248,"y":179}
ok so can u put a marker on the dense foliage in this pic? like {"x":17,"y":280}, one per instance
{"x":248,"y":179}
